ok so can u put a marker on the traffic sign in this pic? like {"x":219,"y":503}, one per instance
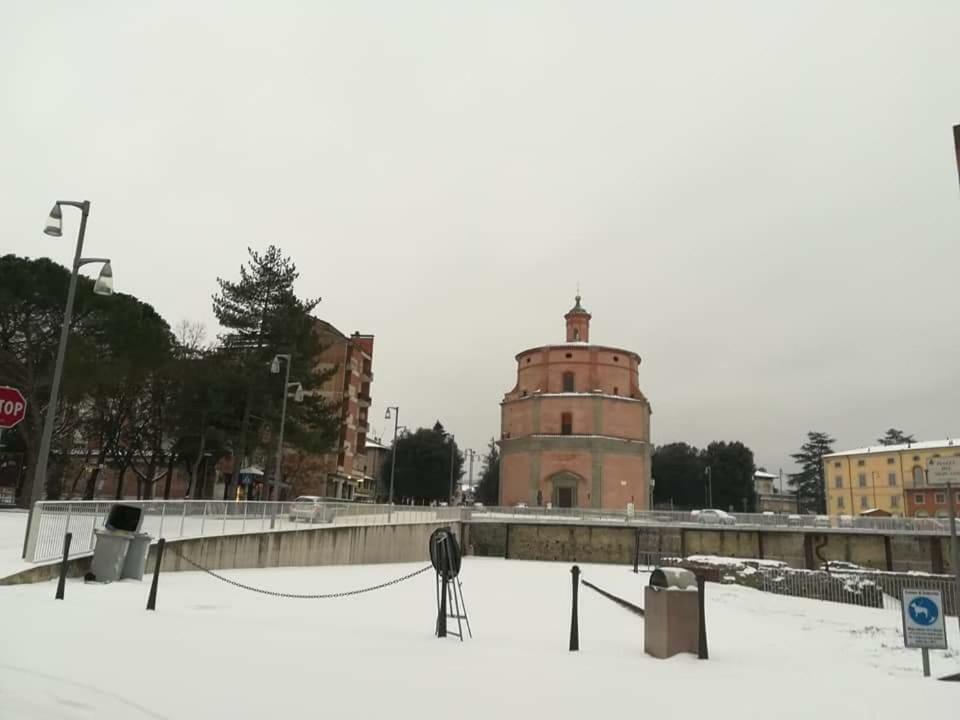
{"x":923,"y":622}
{"x":13,"y":407}
{"x":943,"y":470}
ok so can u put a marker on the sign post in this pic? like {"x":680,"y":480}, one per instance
{"x":923,"y":623}
{"x":946,"y":471}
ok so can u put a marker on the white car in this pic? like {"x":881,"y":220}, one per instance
{"x":714,"y":517}
{"x":308,"y":508}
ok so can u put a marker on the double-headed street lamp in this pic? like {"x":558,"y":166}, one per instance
{"x":298,"y":397}
{"x":393,"y":453}
{"x":103,"y":286}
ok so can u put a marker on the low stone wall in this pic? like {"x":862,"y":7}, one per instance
{"x":604,"y":543}
{"x":310,"y":546}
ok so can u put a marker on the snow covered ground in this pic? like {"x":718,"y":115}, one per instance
{"x":212,"y":650}
{"x":13,"y":524}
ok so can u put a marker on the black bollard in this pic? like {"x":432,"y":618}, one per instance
{"x":62,"y":582}
{"x":152,"y":599}
{"x":442,"y":610}
{"x":574,"y":624}
{"x":636,"y":553}
{"x":702,"y":640}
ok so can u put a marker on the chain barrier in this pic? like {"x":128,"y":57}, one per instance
{"x":299,"y":596}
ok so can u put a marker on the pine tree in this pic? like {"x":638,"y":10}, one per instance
{"x":810,"y":483}
{"x":488,"y":491}
{"x":263,"y":317}
{"x":896,"y":437}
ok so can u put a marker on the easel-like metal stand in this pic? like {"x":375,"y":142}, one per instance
{"x":450,"y":598}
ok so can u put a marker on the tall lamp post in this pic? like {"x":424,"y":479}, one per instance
{"x":393,"y":452}
{"x":708,"y":472}
{"x":298,"y":397}
{"x":103,"y":286}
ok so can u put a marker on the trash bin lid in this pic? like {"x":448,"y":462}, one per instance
{"x":671,"y":577}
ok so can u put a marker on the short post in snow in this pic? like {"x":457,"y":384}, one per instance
{"x":574,"y":624}
{"x":152,"y":599}
{"x":62,"y":582}
{"x":702,"y":639}
{"x":636,"y":552}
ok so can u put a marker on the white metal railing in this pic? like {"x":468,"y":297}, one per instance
{"x":894,"y":525}
{"x":195,"y":518}
{"x":198,"y":518}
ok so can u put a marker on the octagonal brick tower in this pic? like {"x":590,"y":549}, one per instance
{"x":575,"y":430}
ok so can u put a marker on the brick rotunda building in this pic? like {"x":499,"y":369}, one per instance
{"x":575,"y":430}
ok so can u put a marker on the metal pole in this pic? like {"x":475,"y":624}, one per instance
{"x":709,"y":474}
{"x":954,"y":545}
{"x":574,"y":623}
{"x":62,"y":582}
{"x":453,"y":446}
{"x":925,"y":654}
{"x":276,"y":471}
{"x":152,"y":598}
{"x":393,"y":455}
{"x":40,"y":472}
{"x":702,"y":653}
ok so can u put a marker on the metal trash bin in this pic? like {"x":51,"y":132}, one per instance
{"x":135,"y":562}
{"x":671,"y":620}
{"x":109,"y":554}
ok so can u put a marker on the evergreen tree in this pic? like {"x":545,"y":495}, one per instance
{"x":678,"y":470}
{"x":731,"y":469}
{"x":488,"y":491}
{"x":263,"y":317}
{"x":896,"y":437}
{"x":423,"y":465}
{"x":810,"y":483}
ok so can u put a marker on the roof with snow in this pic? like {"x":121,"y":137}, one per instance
{"x":922,"y":445}
{"x":765,"y":475}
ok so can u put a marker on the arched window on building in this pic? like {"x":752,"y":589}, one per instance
{"x":576,"y":334}
{"x":918,"y":476}
{"x":566,"y":423}
{"x":568,"y":382}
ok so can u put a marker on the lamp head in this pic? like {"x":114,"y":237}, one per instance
{"x":104,"y":284}
{"x":275,"y":365}
{"x":298,"y":393}
{"x":54,"y":226}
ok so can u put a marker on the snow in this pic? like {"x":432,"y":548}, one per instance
{"x":923,"y":445}
{"x":212,"y":650}
{"x":13,"y":524}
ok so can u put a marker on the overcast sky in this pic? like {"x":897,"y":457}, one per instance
{"x":759,"y":198}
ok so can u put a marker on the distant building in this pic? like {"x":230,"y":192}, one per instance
{"x":763,"y":482}
{"x":769,"y":497}
{"x":885,"y":477}
{"x":374,"y":458}
{"x":339,"y":474}
{"x":575,"y":429}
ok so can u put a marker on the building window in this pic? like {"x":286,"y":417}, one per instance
{"x":568,"y":382}
{"x":528,"y":360}
{"x":840,"y":503}
{"x":862,"y":479}
{"x":916,"y":458}
{"x":895,"y":501}
{"x":616,"y":390}
{"x":892,"y":479}
{"x":569,"y":355}
{"x":863,"y":502}
{"x":891,"y":461}
{"x":939,"y":498}
{"x":576,"y":334}
{"x":917,"y":476}
{"x":838,"y":482}
{"x":616,"y":359}
{"x":861,"y":463}
{"x":566,"y":423}
{"x":837,"y":463}
{"x":918,"y":499}
{"x":523,"y":393}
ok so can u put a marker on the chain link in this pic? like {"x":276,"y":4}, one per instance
{"x":299,"y":596}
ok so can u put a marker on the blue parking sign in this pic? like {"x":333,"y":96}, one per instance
{"x":923,"y":622}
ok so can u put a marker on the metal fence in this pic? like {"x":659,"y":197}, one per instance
{"x":844,"y":523}
{"x":197,"y":518}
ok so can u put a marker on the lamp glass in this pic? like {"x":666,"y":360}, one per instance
{"x":54,"y":225}
{"x":275,"y":365}
{"x":104,"y":284}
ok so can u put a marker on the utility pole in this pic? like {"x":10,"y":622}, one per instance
{"x":708,"y":472}
{"x":453,"y":450}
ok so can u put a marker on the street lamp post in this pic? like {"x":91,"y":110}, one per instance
{"x":393,"y":453}
{"x":275,"y":368}
{"x":453,"y":449}
{"x":708,"y":471}
{"x":103,"y":286}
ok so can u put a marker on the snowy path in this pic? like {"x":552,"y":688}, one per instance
{"x":212,"y":650}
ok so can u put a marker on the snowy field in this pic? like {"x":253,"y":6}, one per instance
{"x":212,"y":650}
{"x":13,"y":524}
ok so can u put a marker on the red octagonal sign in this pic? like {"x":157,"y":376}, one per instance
{"x":13,"y":407}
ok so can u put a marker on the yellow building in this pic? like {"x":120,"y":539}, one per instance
{"x":877,"y":477}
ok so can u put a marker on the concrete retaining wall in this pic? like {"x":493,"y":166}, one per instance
{"x":615,"y":544}
{"x":290,"y":548}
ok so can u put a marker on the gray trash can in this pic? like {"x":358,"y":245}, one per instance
{"x":136,"y":560}
{"x":109,"y":554}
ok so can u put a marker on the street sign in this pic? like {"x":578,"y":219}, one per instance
{"x":943,"y":470}
{"x":923,"y":621}
{"x":13,"y":407}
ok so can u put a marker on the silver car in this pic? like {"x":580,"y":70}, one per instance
{"x":715,"y":517}
{"x":308,"y":508}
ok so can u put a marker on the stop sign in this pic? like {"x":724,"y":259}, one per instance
{"x":13,"y":407}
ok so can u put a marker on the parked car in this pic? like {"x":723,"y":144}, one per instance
{"x":308,"y":508}
{"x":714,"y":517}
